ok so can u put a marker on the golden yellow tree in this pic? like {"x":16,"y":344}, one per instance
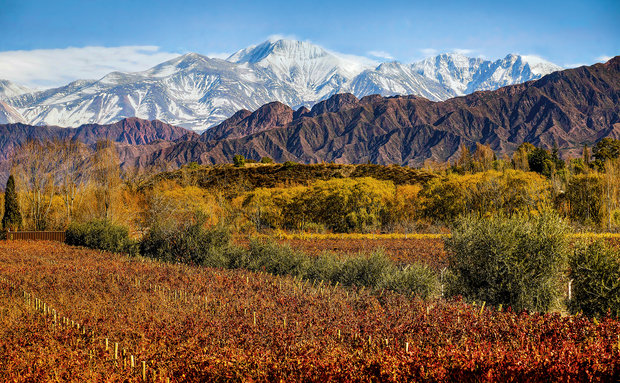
{"x":73,"y":175}
{"x":35,"y":169}
{"x":106,"y":177}
{"x":483,"y":157}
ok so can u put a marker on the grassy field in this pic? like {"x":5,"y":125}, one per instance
{"x":70,"y":314}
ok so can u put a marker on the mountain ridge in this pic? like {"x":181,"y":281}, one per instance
{"x":199,"y":92}
{"x":566,"y":108}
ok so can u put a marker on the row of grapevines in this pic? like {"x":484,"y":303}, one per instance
{"x":197,"y":324}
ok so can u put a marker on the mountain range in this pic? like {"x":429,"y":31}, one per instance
{"x":198,"y":92}
{"x":566,"y":109}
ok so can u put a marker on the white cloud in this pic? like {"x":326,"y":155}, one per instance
{"x":277,"y":36}
{"x":44,"y":68}
{"x":381,"y":55}
{"x":603,"y":58}
{"x":534,"y":59}
{"x":429,"y":52}
{"x":463,"y":52}
{"x":219,"y":55}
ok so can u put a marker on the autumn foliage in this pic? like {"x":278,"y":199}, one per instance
{"x":200,"y":324}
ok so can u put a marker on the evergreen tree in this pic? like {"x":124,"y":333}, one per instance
{"x":12,"y":219}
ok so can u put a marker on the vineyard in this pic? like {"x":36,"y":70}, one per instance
{"x":70,"y":314}
{"x":401,"y":248}
{"x":426,"y":250}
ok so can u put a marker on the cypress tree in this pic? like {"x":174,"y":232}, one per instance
{"x":12,"y":219}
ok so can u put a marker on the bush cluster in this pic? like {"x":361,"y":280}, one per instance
{"x":517,"y":262}
{"x":102,"y":235}
{"x":595,"y":271}
{"x":374,"y":270}
{"x":193,"y":243}
{"x":190,"y":244}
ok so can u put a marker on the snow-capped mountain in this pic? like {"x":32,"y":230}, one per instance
{"x":466,"y":75}
{"x":312,"y":71}
{"x":394,"y":78}
{"x":197,"y":92}
{"x":9,"y":89}
{"x":452,"y":70}
{"x":191,"y":91}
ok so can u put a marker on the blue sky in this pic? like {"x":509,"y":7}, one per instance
{"x":134,"y":35}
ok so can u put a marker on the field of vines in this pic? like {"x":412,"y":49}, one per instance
{"x":401,"y":248}
{"x":70,"y":314}
{"x":403,"y":251}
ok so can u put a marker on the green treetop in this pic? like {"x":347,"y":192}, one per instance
{"x":12,"y":219}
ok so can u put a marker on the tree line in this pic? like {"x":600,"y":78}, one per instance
{"x":56,"y":183}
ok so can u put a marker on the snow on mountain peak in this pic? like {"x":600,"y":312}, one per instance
{"x":466,"y":75}
{"x":452,"y":70}
{"x":312,"y":71}
{"x":197,"y":92}
{"x":289,"y":53}
{"x":540,"y":66}
{"x":186,"y":62}
{"x":9,"y":89}
{"x":288,"y":49}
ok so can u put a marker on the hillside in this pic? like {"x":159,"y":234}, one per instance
{"x":568,"y":109}
{"x":130,"y":131}
{"x":231,"y":179}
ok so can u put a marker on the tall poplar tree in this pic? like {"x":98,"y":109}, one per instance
{"x":12,"y":219}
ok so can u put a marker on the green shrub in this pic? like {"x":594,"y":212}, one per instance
{"x":418,"y":279}
{"x":515,"y":261}
{"x":373,"y":270}
{"x":325,"y":267}
{"x":595,"y":270}
{"x":239,"y":161}
{"x":274,"y":258}
{"x":289,"y":165}
{"x":102,"y":235}
{"x":190,"y":244}
{"x":366,"y":270}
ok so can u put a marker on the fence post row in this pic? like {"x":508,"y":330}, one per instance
{"x":58,"y":236}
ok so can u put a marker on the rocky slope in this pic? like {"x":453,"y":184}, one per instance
{"x":127,"y":132}
{"x":567,"y":108}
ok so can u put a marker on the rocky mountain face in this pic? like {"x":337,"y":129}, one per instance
{"x":566,"y":108}
{"x":128,"y":132}
{"x":199,"y":92}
